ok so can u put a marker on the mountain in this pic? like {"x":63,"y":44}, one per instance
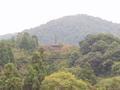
{"x":71,"y":29}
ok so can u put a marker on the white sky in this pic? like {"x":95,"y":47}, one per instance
{"x":17,"y":15}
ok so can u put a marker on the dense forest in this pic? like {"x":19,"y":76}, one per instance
{"x":26,"y":64}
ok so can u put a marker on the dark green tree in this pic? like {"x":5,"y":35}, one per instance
{"x":26,"y":41}
{"x":6,"y":54}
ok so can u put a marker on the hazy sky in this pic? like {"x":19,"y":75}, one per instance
{"x":17,"y":15}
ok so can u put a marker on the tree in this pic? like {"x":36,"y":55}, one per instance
{"x":73,"y":57}
{"x":116,"y":68}
{"x":10,"y":79}
{"x":100,"y":46}
{"x":84,"y":47}
{"x":109,"y":84}
{"x":36,"y":72}
{"x":63,"y":81}
{"x":87,"y":74}
{"x":35,"y":41}
{"x":26,"y":41}
{"x":84,"y":73}
{"x":6,"y":54}
{"x":100,"y":51}
{"x":30,"y":79}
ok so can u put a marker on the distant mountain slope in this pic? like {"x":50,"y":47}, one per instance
{"x":7,"y":36}
{"x":71,"y":29}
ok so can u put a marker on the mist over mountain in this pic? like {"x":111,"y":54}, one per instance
{"x":71,"y":29}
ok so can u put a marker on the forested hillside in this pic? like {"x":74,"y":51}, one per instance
{"x":25,"y":64}
{"x":63,"y":28}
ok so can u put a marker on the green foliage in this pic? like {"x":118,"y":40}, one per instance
{"x":116,"y":68}
{"x":36,"y":72}
{"x":30,"y":79}
{"x":99,"y":46}
{"x":63,"y":81}
{"x":93,"y":66}
{"x":6,"y":54}
{"x":109,"y":84}
{"x":73,"y":57}
{"x":100,"y":51}
{"x":26,"y":41}
{"x":10,"y":80}
{"x":85,"y":73}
